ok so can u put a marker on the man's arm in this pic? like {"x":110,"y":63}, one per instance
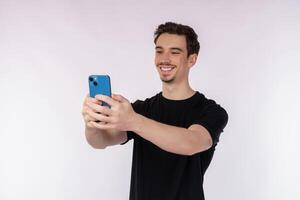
{"x":173,"y":139}
{"x":100,"y":139}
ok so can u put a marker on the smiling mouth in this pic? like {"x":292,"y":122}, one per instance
{"x":166,"y":68}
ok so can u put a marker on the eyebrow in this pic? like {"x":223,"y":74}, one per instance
{"x":172,"y":48}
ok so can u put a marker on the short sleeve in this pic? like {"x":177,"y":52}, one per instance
{"x":214,"y":118}
{"x":138,"y":108}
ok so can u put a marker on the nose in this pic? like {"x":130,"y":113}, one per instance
{"x":165,"y":58}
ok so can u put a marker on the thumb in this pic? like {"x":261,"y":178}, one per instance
{"x":119,"y":98}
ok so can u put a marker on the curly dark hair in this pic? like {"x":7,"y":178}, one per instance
{"x":192,"y":43}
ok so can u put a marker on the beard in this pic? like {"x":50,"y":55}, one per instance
{"x":167,"y":81}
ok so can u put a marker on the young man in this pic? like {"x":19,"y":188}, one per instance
{"x":175,"y":132}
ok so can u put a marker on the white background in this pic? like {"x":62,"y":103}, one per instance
{"x":249,"y":63}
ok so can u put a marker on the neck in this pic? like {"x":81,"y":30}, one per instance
{"x":177,"y":91}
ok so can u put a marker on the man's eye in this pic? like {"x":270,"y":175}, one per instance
{"x":175,"y":52}
{"x":158,"y":51}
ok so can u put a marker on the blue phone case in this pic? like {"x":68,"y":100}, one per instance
{"x":99,"y":84}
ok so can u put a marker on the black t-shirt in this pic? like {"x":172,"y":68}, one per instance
{"x":160,"y":175}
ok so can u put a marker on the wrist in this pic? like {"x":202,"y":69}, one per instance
{"x":136,"y":123}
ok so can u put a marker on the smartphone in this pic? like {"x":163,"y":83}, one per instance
{"x":100,"y":84}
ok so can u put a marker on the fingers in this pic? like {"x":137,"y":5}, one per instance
{"x":93,"y":104}
{"x":106,"y":99}
{"x":99,"y":109}
{"x":91,"y":116}
{"x":90,"y":99}
{"x":93,"y":113}
{"x":102,"y":126}
{"x":100,"y":117}
{"x":88,"y":118}
{"x":92,"y":124}
{"x":103,"y":117}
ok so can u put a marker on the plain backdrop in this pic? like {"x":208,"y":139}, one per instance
{"x":248,"y":63}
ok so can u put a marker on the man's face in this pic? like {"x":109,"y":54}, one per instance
{"x":171,"y":58}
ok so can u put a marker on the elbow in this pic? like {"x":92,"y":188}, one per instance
{"x":96,"y":146}
{"x":198,"y":148}
{"x":192,"y":152}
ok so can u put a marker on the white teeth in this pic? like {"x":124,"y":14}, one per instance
{"x":166,"y":68}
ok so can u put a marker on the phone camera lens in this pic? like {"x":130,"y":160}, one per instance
{"x":91,"y":78}
{"x":95,"y":83}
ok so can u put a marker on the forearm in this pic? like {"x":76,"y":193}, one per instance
{"x":169,"y":138}
{"x":95,"y":137}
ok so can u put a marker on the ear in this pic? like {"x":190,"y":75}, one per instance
{"x":192,"y":59}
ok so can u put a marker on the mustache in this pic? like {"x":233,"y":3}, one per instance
{"x":164,"y":63}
